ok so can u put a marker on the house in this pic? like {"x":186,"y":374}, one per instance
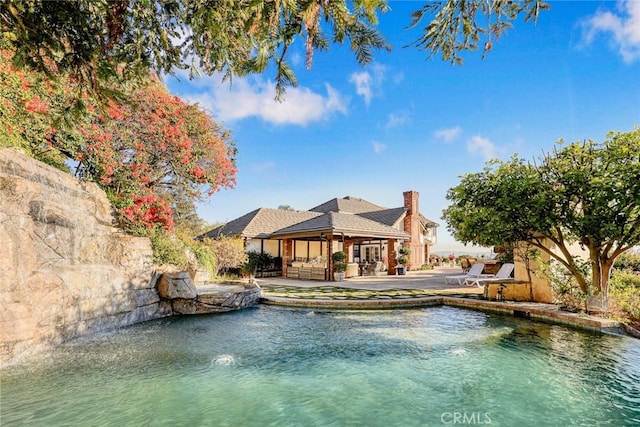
{"x":301,"y":241}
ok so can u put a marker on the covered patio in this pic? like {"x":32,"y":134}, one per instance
{"x":307,"y":246}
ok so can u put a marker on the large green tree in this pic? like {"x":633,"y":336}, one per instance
{"x":584,"y":193}
{"x":101,"y":40}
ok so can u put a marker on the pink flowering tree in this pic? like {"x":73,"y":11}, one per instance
{"x":154,"y":154}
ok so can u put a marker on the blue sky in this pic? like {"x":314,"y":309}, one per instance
{"x":406,"y":122}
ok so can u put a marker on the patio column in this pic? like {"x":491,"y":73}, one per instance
{"x":391,"y":255}
{"x":329,"y":256}
{"x":347,"y":248}
{"x":286,"y":257}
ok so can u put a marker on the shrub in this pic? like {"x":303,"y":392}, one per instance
{"x":229,"y":253}
{"x":624,"y":290}
{"x":628,"y":261}
{"x":256,"y":261}
{"x":167,"y":249}
{"x":565,"y":288}
{"x":339,"y":264}
{"x":204,"y":255}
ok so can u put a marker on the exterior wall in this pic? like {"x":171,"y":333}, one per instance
{"x":273,"y":247}
{"x":310,"y":250}
{"x":267,"y":246}
{"x":540,"y":286}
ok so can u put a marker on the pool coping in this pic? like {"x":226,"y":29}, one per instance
{"x":549,"y":313}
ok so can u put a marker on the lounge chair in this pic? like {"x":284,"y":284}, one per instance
{"x":504,"y":274}
{"x":475,"y":271}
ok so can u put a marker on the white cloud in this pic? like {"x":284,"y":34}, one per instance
{"x":395,"y":120}
{"x":482,"y":146}
{"x":448,"y":135}
{"x":623,"y":26}
{"x":255,"y":98}
{"x":261,"y":167}
{"x":378,"y":147}
{"x":363,"y":85}
{"x":369,"y":84}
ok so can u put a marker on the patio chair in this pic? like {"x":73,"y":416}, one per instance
{"x":503,"y":274}
{"x":475,"y":271}
{"x":374,"y":268}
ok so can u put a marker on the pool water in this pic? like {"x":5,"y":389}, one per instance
{"x":274,"y":366}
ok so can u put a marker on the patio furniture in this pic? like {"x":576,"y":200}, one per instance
{"x":474,"y":272}
{"x":503,"y":274}
{"x":352,"y":269}
{"x":374,"y":268}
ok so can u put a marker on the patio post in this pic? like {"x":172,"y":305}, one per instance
{"x":329,"y":256}
{"x":347,"y":248}
{"x":286,"y":257}
{"x":391,"y":256}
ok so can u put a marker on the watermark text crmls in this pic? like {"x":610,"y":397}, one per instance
{"x":466,"y":418}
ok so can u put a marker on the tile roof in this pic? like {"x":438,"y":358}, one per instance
{"x":348,"y":204}
{"x":260,"y":223}
{"x":336,"y":223}
{"x":349,"y":215}
{"x":385,"y":216}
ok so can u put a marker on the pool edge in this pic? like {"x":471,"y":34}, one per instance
{"x":542,"y":312}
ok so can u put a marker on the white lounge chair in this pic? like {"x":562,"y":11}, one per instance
{"x":474,"y":272}
{"x":504,"y":274}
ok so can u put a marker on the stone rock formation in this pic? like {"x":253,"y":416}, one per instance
{"x":187,"y":299}
{"x":176,"y":285}
{"x":65,"y":270}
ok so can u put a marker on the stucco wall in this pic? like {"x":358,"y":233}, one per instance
{"x":65,"y":270}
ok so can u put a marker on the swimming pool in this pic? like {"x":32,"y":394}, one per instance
{"x":300,"y":367}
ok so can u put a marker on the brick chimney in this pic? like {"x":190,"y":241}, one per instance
{"x":412,"y":226}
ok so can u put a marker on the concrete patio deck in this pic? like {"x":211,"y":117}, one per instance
{"x":424,"y":280}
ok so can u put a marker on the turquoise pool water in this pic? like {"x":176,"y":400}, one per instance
{"x":274,"y":366}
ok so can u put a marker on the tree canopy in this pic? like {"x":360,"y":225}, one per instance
{"x":97,"y":41}
{"x":585,"y":193}
{"x":154,"y":155}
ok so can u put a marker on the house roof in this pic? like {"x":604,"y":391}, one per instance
{"x":427,"y":222}
{"x":348,"y":204}
{"x":341,"y":223}
{"x":385,"y":216}
{"x":349,"y":215}
{"x":260,"y":223}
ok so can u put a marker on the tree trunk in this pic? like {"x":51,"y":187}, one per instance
{"x":605,"y":275}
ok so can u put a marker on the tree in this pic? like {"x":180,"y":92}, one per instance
{"x":229,"y":252}
{"x":27,"y":100}
{"x":154,"y":155}
{"x":97,"y":41}
{"x":457,"y":26}
{"x":585,"y":192}
{"x":155,"y":148}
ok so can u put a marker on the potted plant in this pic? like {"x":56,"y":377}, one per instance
{"x":403,"y":261}
{"x":339,"y":265}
